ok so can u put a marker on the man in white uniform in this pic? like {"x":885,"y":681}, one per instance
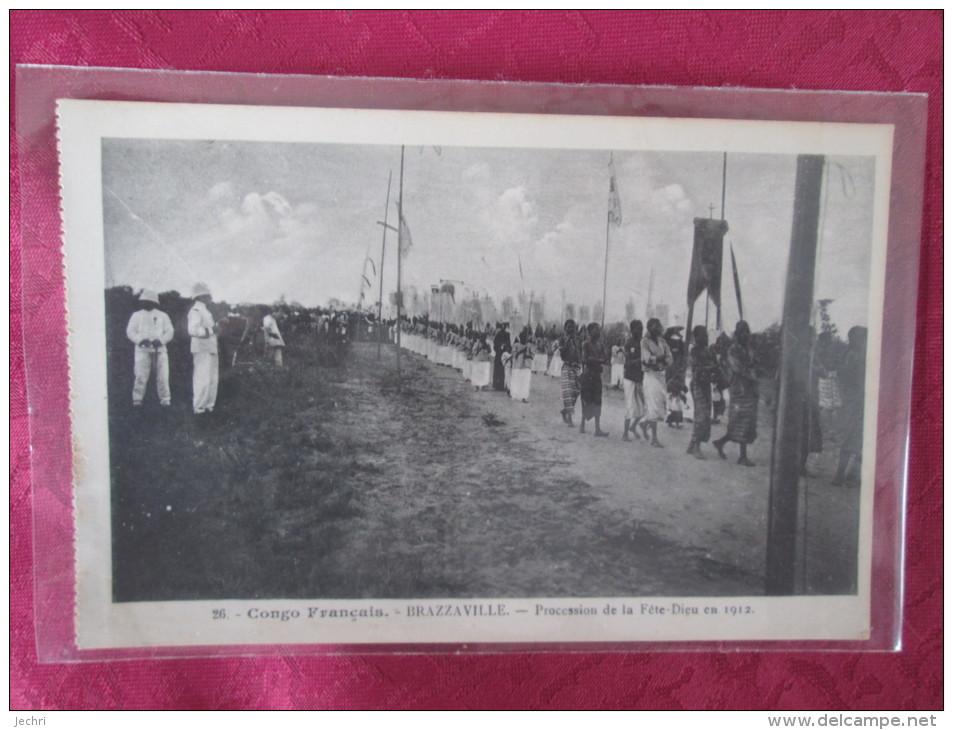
{"x":204,"y":334}
{"x":274,"y":343}
{"x":150,"y":330}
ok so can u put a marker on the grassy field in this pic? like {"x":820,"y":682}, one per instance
{"x":320,"y":480}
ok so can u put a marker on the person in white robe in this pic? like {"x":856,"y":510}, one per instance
{"x":150,"y":330}
{"x":656,"y":357}
{"x":555,"y":364}
{"x":204,"y":334}
{"x":617,"y":374}
{"x":481,"y":368}
{"x":521,"y":363}
{"x":540,"y":358}
{"x":274,"y":342}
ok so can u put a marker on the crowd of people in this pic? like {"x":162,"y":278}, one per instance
{"x":252,"y":332}
{"x":651,"y":365}
{"x":654,"y":370}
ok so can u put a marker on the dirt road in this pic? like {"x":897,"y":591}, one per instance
{"x":325,"y":482}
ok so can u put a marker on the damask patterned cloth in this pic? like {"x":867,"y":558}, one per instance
{"x":862,"y":50}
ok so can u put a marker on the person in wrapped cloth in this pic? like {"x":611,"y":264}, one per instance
{"x":594,"y":357}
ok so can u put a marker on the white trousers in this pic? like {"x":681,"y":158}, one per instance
{"x":617,"y":372}
{"x":634,"y":400}
{"x":204,"y":381}
{"x":142,"y":369}
{"x":480,"y":373}
{"x":519,"y":383}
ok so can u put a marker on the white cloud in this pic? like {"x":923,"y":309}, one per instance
{"x":671,"y":199}
{"x":222,"y":191}
{"x":478,"y":171}
{"x":277,"y":203}
{"x":513,"y":217}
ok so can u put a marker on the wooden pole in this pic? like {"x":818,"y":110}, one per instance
{"x":794,"y":378}
{"x":380,"y":299}
{"x":605,"y":275}
{"x":724,"y":179}
{"x":400,"y":254}
{"x":688,"y":324}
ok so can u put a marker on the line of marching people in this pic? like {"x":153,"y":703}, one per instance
{"x":489,"y":357}
{"x":486,"y":357}
{"x":652,"y":368}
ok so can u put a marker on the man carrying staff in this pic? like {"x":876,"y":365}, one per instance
{"x":204,"y":334}
{"x":570,"y":354}
{"x":150,"y":330}
{"x":743,"y":389}
{"x":656,"y":357}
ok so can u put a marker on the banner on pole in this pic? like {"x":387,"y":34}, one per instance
{"x":405,"y":240}
{"x":706,"y":259}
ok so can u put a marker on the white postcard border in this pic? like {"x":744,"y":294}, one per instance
{"x":103,"y":624}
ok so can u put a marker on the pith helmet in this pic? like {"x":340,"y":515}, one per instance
{"x":148,"y":295}
{"x":200,"y":289}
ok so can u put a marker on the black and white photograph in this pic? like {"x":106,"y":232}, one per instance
{"x":353,"y":376}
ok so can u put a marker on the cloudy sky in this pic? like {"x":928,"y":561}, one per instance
{"x":257,"y":220}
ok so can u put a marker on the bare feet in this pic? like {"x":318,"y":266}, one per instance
{"x":720,"y":448}
{"x":744,"y":461}
{"x":602,"y":433}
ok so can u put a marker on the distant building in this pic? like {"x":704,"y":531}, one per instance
{"x":659,"y":312}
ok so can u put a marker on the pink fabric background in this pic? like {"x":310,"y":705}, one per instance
{"x":865,"y":50}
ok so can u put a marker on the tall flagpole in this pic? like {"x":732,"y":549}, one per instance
{"x":724,"y":179}
{"x":400,"y":253}
{"x":611,"y":207}
{"x":380,"y":297}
